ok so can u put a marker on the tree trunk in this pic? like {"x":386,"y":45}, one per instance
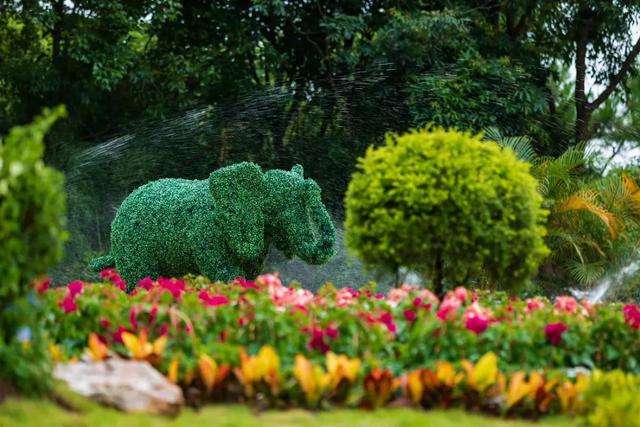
{"x":583,"y":113}
{"x":438,"y":279}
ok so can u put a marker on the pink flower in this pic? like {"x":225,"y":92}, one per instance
{"x":554,"y":332}
{"x":566,"y":304}
{"x":212,"y":300}
{"x":68,"y":304}
{"x":247,"y":284}
{"x":344,"y":297}
{"x":75,"y":288}
{"x":448,"y":308}
{"x":460,"y":293}
{"x":476,"y":318}
{"x":146,"y":283}
{"x":534,"y":304}
{"x":410,"y":315}
{"x":632,"y":315}
{"x":269,"y":280}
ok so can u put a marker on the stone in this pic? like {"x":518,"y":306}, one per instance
{"x":128,"y":385}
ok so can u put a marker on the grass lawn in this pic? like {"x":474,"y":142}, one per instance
{"x":38,"y":413}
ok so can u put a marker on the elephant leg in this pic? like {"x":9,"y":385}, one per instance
{"x":134,"y":269}
{"x":216,"y":267}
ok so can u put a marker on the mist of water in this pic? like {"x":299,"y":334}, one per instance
{"x":198,"y":141}
{"x":607,"y":284}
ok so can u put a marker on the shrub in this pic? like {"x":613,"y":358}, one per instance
{"x":447,"y":205}
{"x":612,"y":399}
{"x":32,"y":208}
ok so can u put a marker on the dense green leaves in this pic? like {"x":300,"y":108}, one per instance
{"x":32,"y":231}
{"x":448,"y":205}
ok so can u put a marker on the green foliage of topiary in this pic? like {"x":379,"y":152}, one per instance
{"x":222,"y":226}
{"x":32,"y":233}
{"x":448,"y":205}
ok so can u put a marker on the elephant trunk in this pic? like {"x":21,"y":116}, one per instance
{"x":322,"y":247}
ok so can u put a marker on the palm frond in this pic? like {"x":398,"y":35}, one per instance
{"x":521,"y":145}
{"x":586,"y":200}
{"x":586,"y":274}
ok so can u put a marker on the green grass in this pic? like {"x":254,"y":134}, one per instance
{"x":40,"y":413}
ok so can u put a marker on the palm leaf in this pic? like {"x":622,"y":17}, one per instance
{"x":521,"y":145}
{"x":586,"y":200}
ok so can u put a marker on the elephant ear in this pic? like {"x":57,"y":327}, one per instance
{"x":238,"y":193}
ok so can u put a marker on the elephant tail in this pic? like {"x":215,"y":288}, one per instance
{"x":103,"y":262}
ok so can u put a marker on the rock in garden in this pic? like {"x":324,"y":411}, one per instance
{"x":131,"y":386}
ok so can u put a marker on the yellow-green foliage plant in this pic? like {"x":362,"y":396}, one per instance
{"x":612,"y":399}
{"x":446,"y":204}
{"x":222,"y":226}
{"x":32,"y":234}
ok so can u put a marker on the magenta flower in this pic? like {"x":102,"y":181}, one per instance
{"x":68,"y":304}
{"x":476,"y":324}
{"x":174,"y":286}
{"x":146,"y":283}
{"x":212,"y":300}
{"x":331,"y":332}
{"x":410,"y":315}
{"x":387,"y":319}
{"x":554,"y":332}
{"x":247,"y":284}
{"x":632,"y":315}
{"x":75,"y":288}
{"x":164,"y":329}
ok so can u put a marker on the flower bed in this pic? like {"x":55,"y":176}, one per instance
{"x":276,"y":345}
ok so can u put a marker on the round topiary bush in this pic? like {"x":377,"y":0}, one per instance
{"x":448,"y":205}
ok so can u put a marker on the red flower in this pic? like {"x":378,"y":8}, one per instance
{"x":164,"y":329}
{"x":387,"y":319}
{"x":554,"y":332}
{"x":316,"y":342}
{"x":75,"y":288}
{"x":410,"y":315}
{"x":105,"y":323}
{"x":331,"y":332}
{"x":212,"y":300}
{"x":632,"y":315}
{"x":43,"y":285}
{"x":68,"y":304}
{"x":117,"y":335}
{"x":153,"y":313}
{"x":133,"y":314}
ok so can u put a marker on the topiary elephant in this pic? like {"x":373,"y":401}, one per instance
{"x":222,"y":226}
